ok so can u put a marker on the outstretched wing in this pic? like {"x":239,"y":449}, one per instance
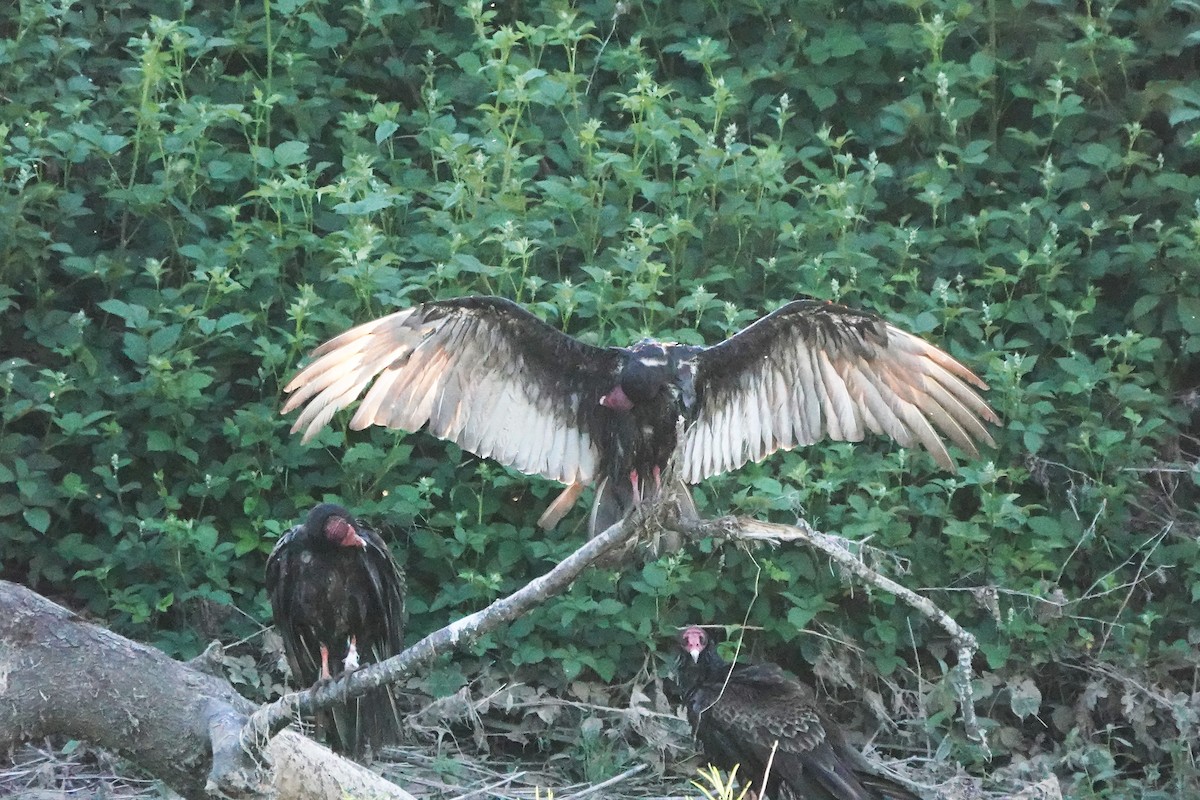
{"x":814,"y":370}
{"x":480,"y":371}
{"x":283,"y":585}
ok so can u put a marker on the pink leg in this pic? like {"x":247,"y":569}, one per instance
{"x":325,"y":675}
{"x":657,"y":480}
{"x":637,"y":487}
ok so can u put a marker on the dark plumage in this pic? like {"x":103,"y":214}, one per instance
{"x":739,"y":712}
{"x":488,"y":375}
{"x":337,"y":598}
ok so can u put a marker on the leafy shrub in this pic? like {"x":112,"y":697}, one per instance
{"x":189,"y":204}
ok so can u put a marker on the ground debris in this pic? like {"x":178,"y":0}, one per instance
{"x":69,"y":770}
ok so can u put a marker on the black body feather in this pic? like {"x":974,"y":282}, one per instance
{"x":330,"y":580}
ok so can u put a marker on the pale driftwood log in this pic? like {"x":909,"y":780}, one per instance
{"x":62,"y":675}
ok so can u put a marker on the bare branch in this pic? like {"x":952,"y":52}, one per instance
{"x":743,"y":529}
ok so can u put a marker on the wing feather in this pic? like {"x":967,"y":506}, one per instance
{"x":841,"y":412}
{"x":899,"y":415}
{"x":543,"y":441}
{"x":555,"y":444}
{"x":969,"y":428}
{"x":388,"y":587}
{"x":736,"y":443}
{"x":480,"y":371}
{"x":572,"y":451}
{"x":752,"y":418}
{"x":481,"y":404}
{"x":788,"y":425}
{"x":814,"y":370}
{"x":766,"y":416}
{"x":282,"y":588}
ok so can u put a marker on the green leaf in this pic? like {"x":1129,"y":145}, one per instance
{"x":822,"y":96}
{"x":135,"y":316}
{"x":158,"y":441}
{"x":1189,"y":313}
{"x":1098,"y":155}
{"x":1024,"y":697}
{"x":288,"y":153}
{"x":38,"y":519}
{"x":1144,"y":305}
{"x":164,"y":338}
{"x":384,"y":130}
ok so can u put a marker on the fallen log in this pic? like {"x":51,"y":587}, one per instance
{"x":61,"y":675}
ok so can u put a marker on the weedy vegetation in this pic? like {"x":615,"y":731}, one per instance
{"x":193,"y":195}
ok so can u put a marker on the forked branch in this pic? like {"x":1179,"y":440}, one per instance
{"x":751,"y":530}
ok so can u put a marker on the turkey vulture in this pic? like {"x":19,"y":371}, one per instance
{"x":488,"y":375}
{"x":741,"y":712}
{"x":337,"y":598}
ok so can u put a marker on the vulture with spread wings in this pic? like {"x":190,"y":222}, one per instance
{"x":337,"y":598}
{"x":752,"y":715}
{"x":488,"y":375}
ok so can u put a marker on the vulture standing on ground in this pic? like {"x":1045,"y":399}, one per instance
{"x":739,"y":712}
{"x":337,"y":598}
{"x":488,"y":375}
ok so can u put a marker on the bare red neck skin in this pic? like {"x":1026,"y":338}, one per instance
{"x":339,"y":531}
{"x":693,"y":641}
{"x":617,"y":400}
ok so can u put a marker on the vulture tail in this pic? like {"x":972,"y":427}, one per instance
{"x":362,"y":726}
{"x":614,"y":501}
{"x":610,"y":507}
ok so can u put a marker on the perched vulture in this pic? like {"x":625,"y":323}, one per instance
{"x":741,"y":712}
{"x":337,"y":598}
{"x":488,"y":375}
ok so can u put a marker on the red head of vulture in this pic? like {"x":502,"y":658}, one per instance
{"x":748,"y":715}
{"x":488,"y":375}
{"x":337,"y":598}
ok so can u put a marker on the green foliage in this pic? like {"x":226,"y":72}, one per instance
{"x":189,"y":203}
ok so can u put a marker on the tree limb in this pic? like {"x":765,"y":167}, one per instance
{"x":751,"y":530}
